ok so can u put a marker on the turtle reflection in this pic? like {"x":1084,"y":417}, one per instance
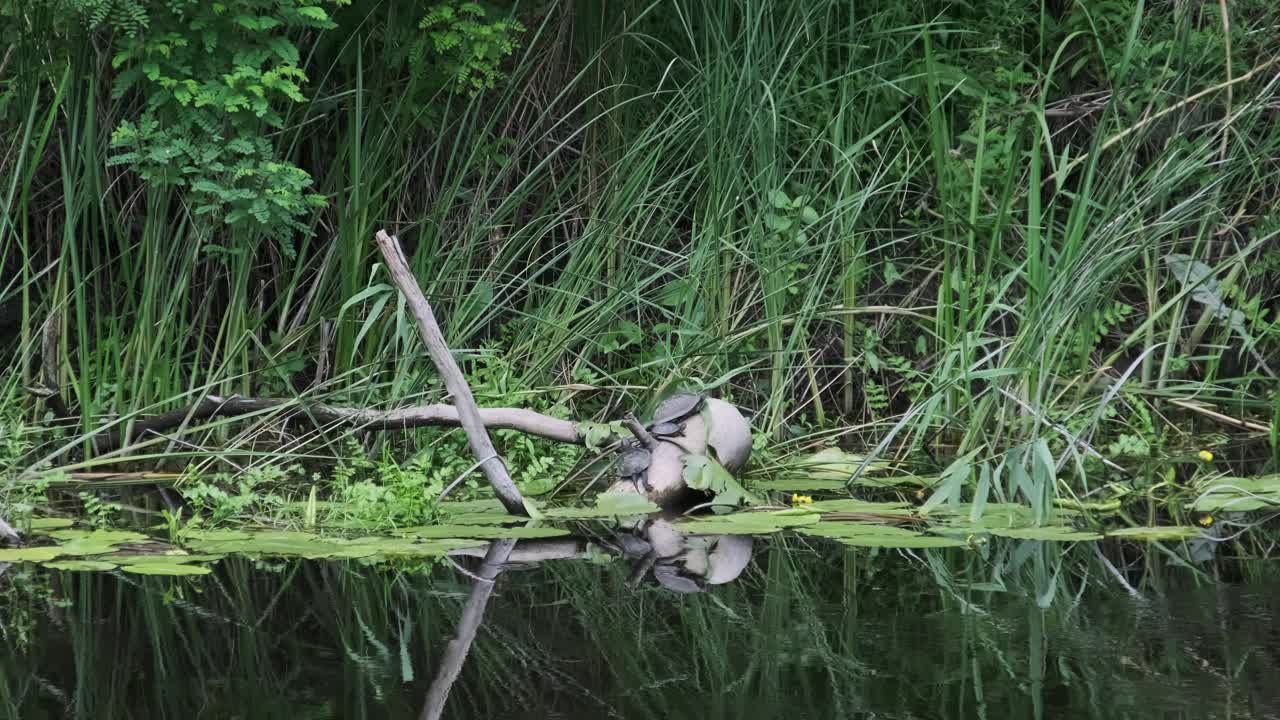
{"x":656,"y":550}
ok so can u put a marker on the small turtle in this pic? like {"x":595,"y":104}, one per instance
{"x":634,"y":465}
{"x":675,"y":579}
{"x":677,"y":407}
{"x":666,"y":429}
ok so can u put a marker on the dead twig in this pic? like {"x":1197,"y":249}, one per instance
{"x":468,"y":412}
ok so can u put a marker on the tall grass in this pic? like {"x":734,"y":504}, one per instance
{"x":976,"y":253}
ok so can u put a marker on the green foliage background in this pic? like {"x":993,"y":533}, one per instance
{"x":907,"y":224}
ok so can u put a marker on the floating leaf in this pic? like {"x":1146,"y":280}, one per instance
{"x":469,"y":506}
{"x":748,"y":523}
{"x":607,"y":504}
{"x":483,"y":533}
{"x":1051,"y":533}
{"x":860,"y":506}
{"x":996,"y":515}
{"x":80,"y":565}
{"x":95,"y":542}
{"x":30,"y":554}
{"x":49,"y":523}
{"x":100,"y":536}
{"x":874,"y":535}
{"x":386,"y":546}
{"x":166,"y":569}
{"x":179,"y":558}
{"x":1172,"y":532}
{"x":831,"y":464}
{"x":197,"y":534}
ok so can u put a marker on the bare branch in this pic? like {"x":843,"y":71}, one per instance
{"x":468,"y":413}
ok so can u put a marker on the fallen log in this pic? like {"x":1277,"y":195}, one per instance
{"x":525,"y":421}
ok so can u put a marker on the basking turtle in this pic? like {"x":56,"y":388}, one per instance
{"x":677,"y":407}
{"x":669,"y":419}
{"x":633,"y":465}
{"x":666,"y":429}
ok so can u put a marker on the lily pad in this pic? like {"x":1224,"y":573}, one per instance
{"x":469,"y":506}
{"x":608,"y":504}
{"x":94,"y":542}
{"x":832,"y":464}
{"x":30,"y":554}
{"x":996,"y":515}
{"x":861,"y":506}
{"x":80,"y":565}
{"x":178,"y":558}
{"x":748,"y":523}
{"x":409,"y":546}
{"x":1051,"y":533}
{"x":166,"y":569}
{"x":199,"y":534}
{"x":874,"y":535}
{"x":49,"y":523}
{"x":1172,"y":532}
{"x":483,"y":533}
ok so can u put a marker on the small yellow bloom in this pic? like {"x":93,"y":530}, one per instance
{"x":1205,"y":455}
{"x":1207,"y":520}
{"x":801,"y":499}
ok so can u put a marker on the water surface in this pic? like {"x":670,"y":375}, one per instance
{"x":1021,"y":629}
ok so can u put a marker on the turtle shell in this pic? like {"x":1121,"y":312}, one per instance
{"x":634,"y":462}
{"x":677,"y":407}
{"x":667,"y":429}
{"x":670,"y":577}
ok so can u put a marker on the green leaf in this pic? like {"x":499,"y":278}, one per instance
{"x":953,"y":478}
{"x":777,"y":223}
{"x":163,"y":569}
{"x":29,"y":554}
{"x":80,"y":565}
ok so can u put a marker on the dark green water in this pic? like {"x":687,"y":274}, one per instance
{"x":1017,"y":630}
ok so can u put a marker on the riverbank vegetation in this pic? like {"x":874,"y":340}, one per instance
{"x":1027,"y":249}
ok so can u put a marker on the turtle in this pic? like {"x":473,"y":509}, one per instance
{"x":667,"y":429}
{"x":677,"y":408}
{"x":634,"y":465}
{"x":675,"y":579}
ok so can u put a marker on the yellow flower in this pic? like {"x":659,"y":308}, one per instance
{"x":1207,"y":520}
{"x":801,"y":500}
{"x":1205,"y":455}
